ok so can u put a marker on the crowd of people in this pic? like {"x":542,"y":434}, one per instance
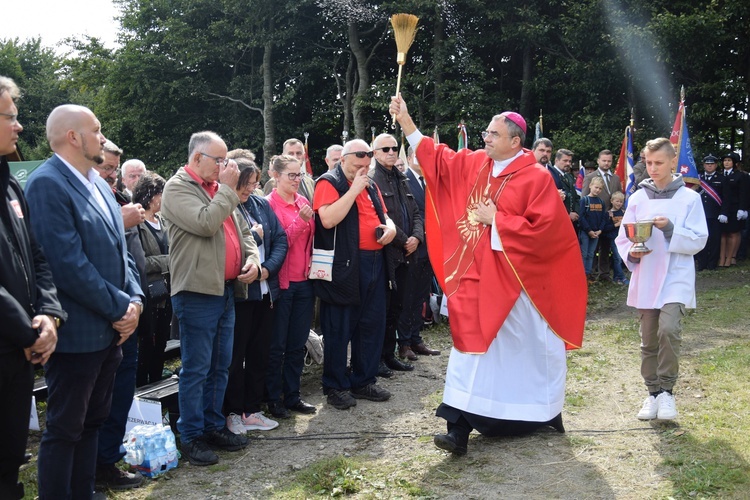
{"x":208,"y":258}
{"x":596,"y":210}
{"x":238,"y":271}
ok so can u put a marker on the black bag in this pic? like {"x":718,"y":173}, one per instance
{"x":158,"y":290}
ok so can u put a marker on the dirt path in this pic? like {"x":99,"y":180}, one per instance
{"x":606,"y":452}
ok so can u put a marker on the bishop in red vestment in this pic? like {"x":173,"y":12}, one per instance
{"x":504,"y":251}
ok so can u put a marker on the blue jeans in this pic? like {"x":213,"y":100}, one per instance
{"x":588,"y":249}
{"x":616,"y":263}
{"x":112,"y":432}
{"x":206,"y":337}
{"x":78,"y":401}
{"x":294,"y":312}
{"x":363,"y":325}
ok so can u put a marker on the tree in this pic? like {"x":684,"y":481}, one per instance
{"x":34,"y":69}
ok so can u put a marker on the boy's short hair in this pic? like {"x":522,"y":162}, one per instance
{"x":661,"y":143}
{"x":598,"y":181}
{"x":618,"y":195}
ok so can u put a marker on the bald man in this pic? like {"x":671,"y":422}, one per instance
{"x":75,"y":213}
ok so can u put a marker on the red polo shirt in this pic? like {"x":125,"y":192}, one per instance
{"x":232,"y":248}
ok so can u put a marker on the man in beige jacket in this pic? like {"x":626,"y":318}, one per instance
{"x":212,"y":256}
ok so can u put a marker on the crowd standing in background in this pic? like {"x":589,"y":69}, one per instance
{"x":227,"y":261}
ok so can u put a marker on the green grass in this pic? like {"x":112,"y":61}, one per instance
{"x":332,"y":477}
{"x":707,"y":454}
{"x":713,"y":458}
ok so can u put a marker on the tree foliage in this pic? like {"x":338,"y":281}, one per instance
{"x":259,"y":72}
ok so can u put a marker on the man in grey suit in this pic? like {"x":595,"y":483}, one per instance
{"x":75,"y":217}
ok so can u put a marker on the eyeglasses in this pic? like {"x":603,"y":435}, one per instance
{"x":109,"y":169}
{"x":360,"y":154}
{"x":219,"y":160}
{"x":13,"y":118}
{"x":388,"y":149}
{"x":293,"y":177}
{"x":493,"y":134}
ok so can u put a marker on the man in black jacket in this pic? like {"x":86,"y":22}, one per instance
{"x":29,"y":310}
{"x":399,"y":254}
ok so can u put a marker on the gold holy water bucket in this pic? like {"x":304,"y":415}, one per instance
{"x":639,"y":233}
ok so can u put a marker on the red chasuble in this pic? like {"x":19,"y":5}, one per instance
{"x":540,"y":253}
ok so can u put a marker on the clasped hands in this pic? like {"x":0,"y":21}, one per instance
{"x":128,"y":323}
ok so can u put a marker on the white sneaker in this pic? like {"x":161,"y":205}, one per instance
{"x":234,"y":424}
{"x":666,"y":406}
{"x":649,"y":409}
{"x":258,"y":422}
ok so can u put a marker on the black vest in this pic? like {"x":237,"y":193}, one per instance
{"x":343,"y":289}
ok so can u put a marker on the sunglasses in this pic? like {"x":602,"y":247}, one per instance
{"x":361,"y":154}
{"x":388,"y":149}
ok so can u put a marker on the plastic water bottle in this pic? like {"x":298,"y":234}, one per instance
{"x":160,"y":445}
{"x":171,"y":447}
{"x":135,"y":453}
{"x":151,"y":462}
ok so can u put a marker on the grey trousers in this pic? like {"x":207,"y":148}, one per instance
{"x":660,"y":345}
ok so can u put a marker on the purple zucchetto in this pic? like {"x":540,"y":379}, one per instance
{"x":515,"y":118}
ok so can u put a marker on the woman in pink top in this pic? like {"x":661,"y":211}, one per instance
{"x":294,"y":311}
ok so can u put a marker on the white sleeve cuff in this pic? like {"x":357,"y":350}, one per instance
{"x":495,"y":243}
{"x":414,"y":138}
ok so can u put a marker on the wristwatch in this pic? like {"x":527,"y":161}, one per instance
{"x":56,"y":319}
{"x":140,"y":306}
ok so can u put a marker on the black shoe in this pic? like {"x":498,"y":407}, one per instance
{"x":373,"y":392}
{"x":110,"y":476}
{"x":302,"y":407}
{"x":452,"y":442}
{"x":278,"y":410}
{"x":198,"y":453}
{"x":341,"y":400}
{"x":397,"y":365}
{"x":557,"y":423}
{"x":384,"y":371}
{"x":224,"y":439}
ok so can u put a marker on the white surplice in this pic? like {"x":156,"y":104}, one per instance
{"x":520,"y":377}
